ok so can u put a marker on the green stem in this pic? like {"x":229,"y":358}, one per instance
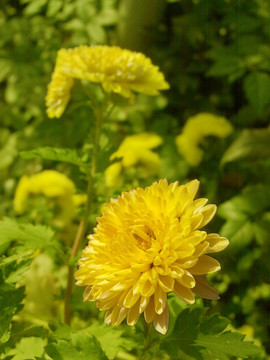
{"x":83,"y":224}
{"x":147,"y":341}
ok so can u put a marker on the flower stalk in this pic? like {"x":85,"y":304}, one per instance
{"x":98,"y":111}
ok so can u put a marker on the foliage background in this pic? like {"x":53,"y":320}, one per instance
{"x":216,"y":57}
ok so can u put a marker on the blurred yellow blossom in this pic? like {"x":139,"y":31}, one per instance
{"x":117,"y":70}
{"x":113,"y":176}
{"x":147,"y":244}
{"x":135,"y":149}
{"x":51,"y":184}
{"x":194,"y":131}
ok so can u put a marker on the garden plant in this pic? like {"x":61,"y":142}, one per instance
{"x":135,"y":191}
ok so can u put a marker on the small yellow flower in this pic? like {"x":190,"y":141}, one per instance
{"x":113,"y":176}
{"x":117,"y":70}
{"x":135,"y":149}
{"x":194,"y":131}
{"x":51,"y":184}
{"x":148,"y":243}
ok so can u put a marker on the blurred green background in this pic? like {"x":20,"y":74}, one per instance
{"x":216,"y":57}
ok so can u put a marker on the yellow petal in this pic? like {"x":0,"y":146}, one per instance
{"x":205,"y":265}
{"x":187,"y":280}
{"x":216,"y":243}
{"x":208,"y":213}
{"x":133,"y":314}
{"x":160,"y":299}
{"x":143,"y":303}
{"x":130,"y":299}
{"x":183,"y":293}
{"x":166,"y":282}
{"x":149,"y":312}
{"x":118,"y":315}
{"x":161,"y":322}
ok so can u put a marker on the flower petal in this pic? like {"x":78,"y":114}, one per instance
{"x":216,"y":243}
{"x":166,"y":282}
{"x":161,"y":322}
{"x":205,"y":265}
{"x":160,"y":299}
{"x":149,"y":312}
{"x":133,"y":314}
{"x":183,"y":293}
{"x":208,"y":213}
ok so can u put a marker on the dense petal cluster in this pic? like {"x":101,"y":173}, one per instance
{"x":148,"y":243}
{"x":194,"y":131}
{"x":135,"y":149}
{"x":117,"y":70}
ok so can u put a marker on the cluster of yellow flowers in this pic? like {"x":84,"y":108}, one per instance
{"x":51,"y":184}
{"x":148,"y":243}
{"x":195,"y":130}
{"x":117,"y":70}
{"x":135,"y":149}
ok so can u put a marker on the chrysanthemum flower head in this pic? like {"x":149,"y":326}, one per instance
{"x":195,"y":129}
{"x":148,"y":243}
{"x":117,"y":70}
{"x":135,"y":149}
{"x":51,"y":184}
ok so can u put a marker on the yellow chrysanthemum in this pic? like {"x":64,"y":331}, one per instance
{"x":148,"y":243}
{"x":194,"y":131}
{"x":117,"y":70}
{"x":51,"y":184}
{"x":135,"y":149}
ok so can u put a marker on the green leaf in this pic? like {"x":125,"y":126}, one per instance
{"x":80,"y":347}
{"x":224,"y":346}
{"x":199,"y":337}
{"x":257,"y":89}
{"x":28,"y":348}
{"x":10,"y":304}
{"x":250,"y":144}
{"x":251,"y":201}
{"x":226,"y":65}
{"x":28,"y":236}
{"x":240,"y":234}
{"x":242,"y":212}
{"x":8,"y":151}
{"x":16,"y":265}
{"x":110,"y":338}
{"x":56,"y":154}
{"x":184,"y":334}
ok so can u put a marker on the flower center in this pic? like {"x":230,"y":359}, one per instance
{"x":143,"y":235}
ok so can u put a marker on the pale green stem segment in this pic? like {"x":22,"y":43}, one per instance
{"x":100,"y":115}
{"x":147,"y":341}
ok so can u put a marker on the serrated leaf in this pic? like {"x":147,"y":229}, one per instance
{"x":250,"y":144}
{"x":257,"y":89}
{"x":214,"y":324}
{"x":10,"y":304}
{"x":199,"y":337}
{"x":55,"y":154}
{"x":28,"y":236}
{"x":224,"y":346}
{"x":80,"y":347}
{"x":110,"y":338}
{"x":184,"y":333}
{"x":28,"y":348}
